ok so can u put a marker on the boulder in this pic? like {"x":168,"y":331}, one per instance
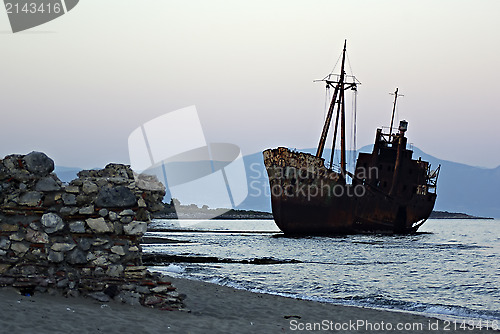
{"x":39,"y":163}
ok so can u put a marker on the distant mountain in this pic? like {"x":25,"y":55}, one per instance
{"x":66,"y":174}
{"x":461,"y":188}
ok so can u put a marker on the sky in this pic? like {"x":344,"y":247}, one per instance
{"x":78,"y":86}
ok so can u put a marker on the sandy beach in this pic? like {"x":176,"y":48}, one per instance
{"x":213,"y":309}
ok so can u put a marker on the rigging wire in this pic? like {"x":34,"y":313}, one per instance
{"x":334,"y":67}
{"x":354,"y":128}
{"x":349,"y":63}
{"x":327,"y":100}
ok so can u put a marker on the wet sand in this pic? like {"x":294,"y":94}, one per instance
{"x":213,"y":309}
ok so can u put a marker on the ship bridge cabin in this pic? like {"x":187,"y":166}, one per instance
{"x":390,"y":167}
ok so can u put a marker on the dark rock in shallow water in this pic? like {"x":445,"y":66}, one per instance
{"x":39,"y":163}
{"x":116,"y":197}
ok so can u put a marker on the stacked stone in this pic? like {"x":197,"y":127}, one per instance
{"x":81,"y":238}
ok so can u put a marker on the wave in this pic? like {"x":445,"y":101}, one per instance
{"x":370,"y":301}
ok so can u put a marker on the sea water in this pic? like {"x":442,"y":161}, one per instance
{"x":451,"y":268}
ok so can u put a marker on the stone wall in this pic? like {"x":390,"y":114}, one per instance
{"x":83,"y":238}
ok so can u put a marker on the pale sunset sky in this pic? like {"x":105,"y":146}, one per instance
{"x":78,"y":86}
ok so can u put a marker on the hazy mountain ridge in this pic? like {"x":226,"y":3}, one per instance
{"x":461,"y":188}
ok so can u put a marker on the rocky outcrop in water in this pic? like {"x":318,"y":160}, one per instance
{"x":83,"y":238}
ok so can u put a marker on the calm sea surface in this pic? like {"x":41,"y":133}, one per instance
{"x":450,"y":268}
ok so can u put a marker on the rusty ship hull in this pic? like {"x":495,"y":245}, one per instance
{"x":308,"y":198}
{"x":388,"y":192}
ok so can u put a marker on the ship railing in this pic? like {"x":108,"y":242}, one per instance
{"x":334,"y":168}
{"x":387,"y":137}
{"x":432,"y":178}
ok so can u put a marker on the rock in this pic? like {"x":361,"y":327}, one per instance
{"x":52,"y":222}
{"x":143,"y":214}
{"x":115,"y":258}
{"x":118,"y":250}
{"x":100,"y":296}
{"x":68,"y":211}
{"x":62,"y":247}
{"x":72,"y":189}
{"x":51,"y":198}
{"x":19,"y":248}
{"x":115,"y":271}
{"x":3,"y":268}
{"x":127,"y":212}
{"x":31,"y":198}
{"x":126,"y":219}
{"x":88,"y":210}
{"x":103,"y":212}
{"x":55,"y":256}
{"x":129,"y":297}
{"x":63,"y":283}
{"x":77,"y":256}
{"x":47,"y":184}
{"x":141,"y":203}
{"x":77,"y":226}
{"x":91,"y":256}
{"x":113,"y":216}
{"x":116,"y":197}
{"x":143,"y":289}
{"x":118,"y":228}
{"x":99,"y":242}
{"x":112,"y":291}
{"x":100,"y":225}
{"x":133,"y":249}
{"x":8,"y":227}
{"x":39,"y":163}
{"x":69,"y":199}
{"x":101,"y":261}
{"x":85,"y":243}
{"x":16,"y":237}
{"x":4,"y":243}
{"x":73,"y":293}
{"x":148,"y":182}
{"x":153,"y":300}
{"x":34,"y":226}
{"x":3,"y":252}
{"x":37,"y":237}
{"x":89,"y":187}
{"x":161,"y":289}
{"x":83,"y":200}
{"x":98,"y":272}
{"x":135,"y":228}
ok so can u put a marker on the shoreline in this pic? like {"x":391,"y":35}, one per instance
{"x":213,"y":309}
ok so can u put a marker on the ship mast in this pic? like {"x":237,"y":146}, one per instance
{"x":394,"y":109}
{"x":337,"y":99}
